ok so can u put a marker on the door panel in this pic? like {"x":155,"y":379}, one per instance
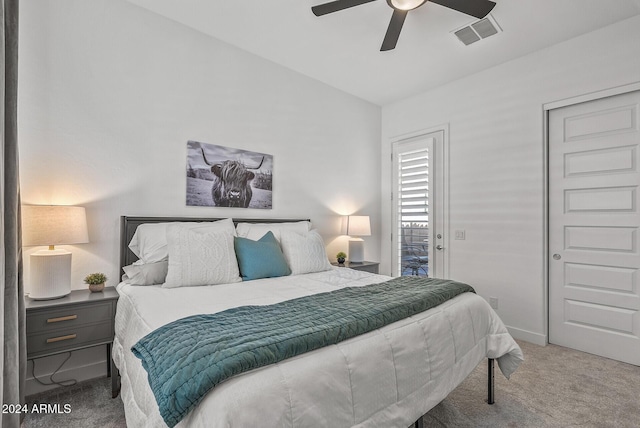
{"x":418,"y":206}
{"x":594,"y":222}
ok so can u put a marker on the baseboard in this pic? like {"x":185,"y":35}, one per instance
{"x":80,"y":373}
{"x":528,"y":336}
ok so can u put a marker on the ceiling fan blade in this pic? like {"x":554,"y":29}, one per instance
{"x":476,"y":8}
{"x":393,"y":31}
{"x":334,"y":6}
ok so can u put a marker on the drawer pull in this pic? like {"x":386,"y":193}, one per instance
{"x":58,"y":339}
{"x":67,"y":318}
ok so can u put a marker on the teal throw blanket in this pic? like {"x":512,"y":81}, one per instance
{"x":188,"y":357}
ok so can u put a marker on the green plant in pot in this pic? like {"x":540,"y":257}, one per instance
{"x":96,"y":281}
{"x":341,"y":256}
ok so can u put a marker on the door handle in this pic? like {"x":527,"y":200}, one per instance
{"x":439,"y":247}
{"x":557,"y":257}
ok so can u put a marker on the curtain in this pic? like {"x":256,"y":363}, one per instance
{"x":12,"y":328}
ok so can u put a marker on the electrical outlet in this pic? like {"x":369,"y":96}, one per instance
{"x":493,"y":302}
{"x":460,"y":235}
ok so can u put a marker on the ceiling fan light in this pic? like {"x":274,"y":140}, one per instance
{"x":405,"y":4}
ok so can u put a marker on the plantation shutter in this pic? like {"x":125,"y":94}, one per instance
{"x":412,"y":202}
{"x":411,"y":206}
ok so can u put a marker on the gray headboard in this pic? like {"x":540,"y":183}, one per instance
{"x":128,"y":226}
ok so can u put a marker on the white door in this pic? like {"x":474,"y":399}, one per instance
{"x":418,"y":241}
{"x":594,"y":236}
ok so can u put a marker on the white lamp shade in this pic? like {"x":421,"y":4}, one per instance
{"x":358,"y":225}
{"x":53,"y":225}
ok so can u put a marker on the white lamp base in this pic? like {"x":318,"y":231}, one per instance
{"x":356,"y":250}
{"x":50,"y":274}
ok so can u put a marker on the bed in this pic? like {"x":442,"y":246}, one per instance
{"x":388,"y":377}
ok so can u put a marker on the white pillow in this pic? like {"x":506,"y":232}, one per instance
{"x":305,"y":252}
{"x":255,"y":231}
{"x":145,"y":273}
{"x":200,"y":257}
{"x":149,"y":242}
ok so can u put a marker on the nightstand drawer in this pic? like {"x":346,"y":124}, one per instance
{"x":70,"y":338}
{"x":371,"y":268}
{"x":68,"y":317}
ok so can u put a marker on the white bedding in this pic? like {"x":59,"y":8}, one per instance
{"x":385,"y":378}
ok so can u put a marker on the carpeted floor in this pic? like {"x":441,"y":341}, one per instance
{"x":554,"y":387}
{"x":91,"y":407}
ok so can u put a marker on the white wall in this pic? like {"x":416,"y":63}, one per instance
{"x":496,"y":161}
{"x":109,"y":94}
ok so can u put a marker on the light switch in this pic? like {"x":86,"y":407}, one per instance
{"x":459,"y":235}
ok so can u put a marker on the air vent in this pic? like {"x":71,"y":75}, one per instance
{"x":478,"y":30}
{"x":467,"y":35}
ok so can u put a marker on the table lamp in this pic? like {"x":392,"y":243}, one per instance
{"x":357,"y":225}
{"x":52,"y":225}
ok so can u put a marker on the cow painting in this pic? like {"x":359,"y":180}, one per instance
{"x":231,"y":183}
{"x":220,"y":176}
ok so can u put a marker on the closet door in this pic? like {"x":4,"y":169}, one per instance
{"x":594,"y":236}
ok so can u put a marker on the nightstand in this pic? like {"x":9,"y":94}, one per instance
{"x":80,"y":320}
{"x":365,"y":266}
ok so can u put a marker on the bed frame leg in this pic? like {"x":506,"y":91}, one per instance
{"x":490,"y":382}
{"x":491,"y":397}
{"x":115,"y":380}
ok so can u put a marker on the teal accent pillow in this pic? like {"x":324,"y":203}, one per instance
{"x":260,"y":259}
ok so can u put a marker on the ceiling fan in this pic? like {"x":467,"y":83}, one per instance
{"x":476,"y":8}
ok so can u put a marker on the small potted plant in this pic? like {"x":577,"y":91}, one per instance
{"x":96,"y":281}
{"x":341,"y":256}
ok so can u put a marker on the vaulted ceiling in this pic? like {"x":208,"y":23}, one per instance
{"x":342,"y":49}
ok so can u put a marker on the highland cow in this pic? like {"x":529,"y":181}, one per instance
{"x":231,"y":183}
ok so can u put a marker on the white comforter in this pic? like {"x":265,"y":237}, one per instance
{"x":385,"y":378}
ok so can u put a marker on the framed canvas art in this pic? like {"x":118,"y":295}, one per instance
{"x":219,"y":176}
